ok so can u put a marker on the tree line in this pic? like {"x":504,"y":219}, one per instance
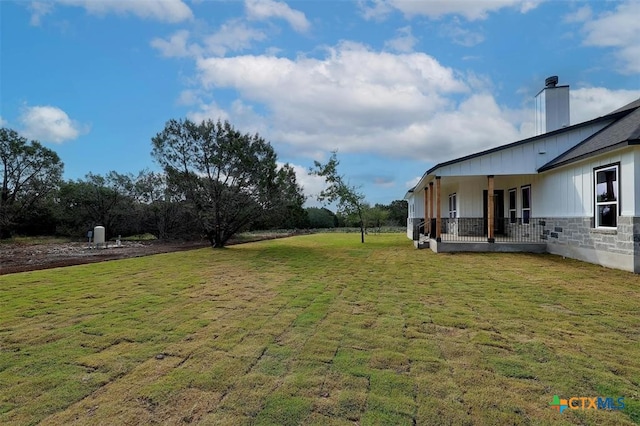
{"x":215,"y":182}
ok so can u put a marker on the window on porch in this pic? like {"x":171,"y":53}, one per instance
{"x":526,"y":203}
{"x":453,"y":206}
{"x":606,"y":196}
{"x":513,"y":210}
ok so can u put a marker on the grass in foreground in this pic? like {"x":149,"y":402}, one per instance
{"x":319,"y":329}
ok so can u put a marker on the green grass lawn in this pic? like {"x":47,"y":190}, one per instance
{"x":319,"y":329}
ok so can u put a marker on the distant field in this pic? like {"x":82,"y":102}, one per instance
{"x":319,"y":329}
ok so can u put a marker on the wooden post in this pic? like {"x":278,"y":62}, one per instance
{"x":438,"y":209}
{"x":490,"y":210}
{"x":431,"y":231}
{"x":426,"y":204}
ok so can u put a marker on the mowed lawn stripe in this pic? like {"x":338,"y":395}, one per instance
{"x":319,"y":329}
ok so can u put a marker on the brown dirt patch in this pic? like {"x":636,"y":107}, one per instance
{"x":26,"y":257}
{"x":22,"y":257}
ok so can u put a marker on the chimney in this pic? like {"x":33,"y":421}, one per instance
{"x":552,"y":106}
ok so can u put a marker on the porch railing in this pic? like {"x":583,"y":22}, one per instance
{"x":416,"y":224}
{"x":418,"y":228}
{"x":474,"y":229}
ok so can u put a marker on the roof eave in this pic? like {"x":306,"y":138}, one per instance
{"x":409,"y":192}
{"x":619,"y":145}
{"x":528,"y":140}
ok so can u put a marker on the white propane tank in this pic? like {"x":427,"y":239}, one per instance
{"x":98,"y":236}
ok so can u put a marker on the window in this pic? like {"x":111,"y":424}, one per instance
{"x":513,"y":212}
{"x":526,"y":203}
{"x":453,"y":209}
{"x":606,"y":197}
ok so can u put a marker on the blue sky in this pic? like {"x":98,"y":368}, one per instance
{"x":395,"y":86}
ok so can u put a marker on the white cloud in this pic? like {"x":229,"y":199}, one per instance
{"x":266,"y":9}
{"x":619,"y":29}
{"x":209,"y":111}
{"x":374,"y":9}
{"x":176,"y":46}
{"x":49,"y":124}
{"x":240,"y":113}
{"x":3,"y":122}
{"x":469,"y":9}
{"x":399,"y":105}
{"x":188,"y":97}
{"x":404,"y":42}
{"x":476,"y":124}
{"x":581,"y":14}
{"x":529,"y":5}
{"x":234,"y":35}
{"x":460,"y":35}
{"x":39,"y":9}
{"x":161,"y":10}
{"x":592,"y":102}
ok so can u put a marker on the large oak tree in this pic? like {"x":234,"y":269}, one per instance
{"x":231,"y":179}
{"x":29,"y":173}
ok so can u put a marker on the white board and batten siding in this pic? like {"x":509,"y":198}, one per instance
{"x":415,"y":203}
{"x":569,"y":191}
{"x":636,"y":155}
{"x":523,"y":158}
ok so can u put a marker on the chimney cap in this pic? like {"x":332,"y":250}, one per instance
{"x":551,"y":81}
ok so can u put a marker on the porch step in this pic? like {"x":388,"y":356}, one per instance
{"x":422,"y":243}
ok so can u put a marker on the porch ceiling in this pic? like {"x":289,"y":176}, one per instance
{"x":449,"y":180}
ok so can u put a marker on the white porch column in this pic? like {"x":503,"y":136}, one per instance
{"x":426,"y":202}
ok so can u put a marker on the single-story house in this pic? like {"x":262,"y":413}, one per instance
{"x":571,"y":190}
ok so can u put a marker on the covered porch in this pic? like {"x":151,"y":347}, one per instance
{"x":479,"y":213}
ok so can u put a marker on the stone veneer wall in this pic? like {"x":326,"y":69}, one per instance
{"x":575,"y":237}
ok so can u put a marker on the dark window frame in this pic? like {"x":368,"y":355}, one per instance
{"x":513,"y":208}
{"x":597,"y":220}
{"x":525,"y":211}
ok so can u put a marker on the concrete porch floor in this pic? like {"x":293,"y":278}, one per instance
{"x":500,"y":246}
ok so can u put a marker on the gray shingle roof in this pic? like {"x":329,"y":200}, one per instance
{"x":633,"y":105}
{"x":622,"y":132}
